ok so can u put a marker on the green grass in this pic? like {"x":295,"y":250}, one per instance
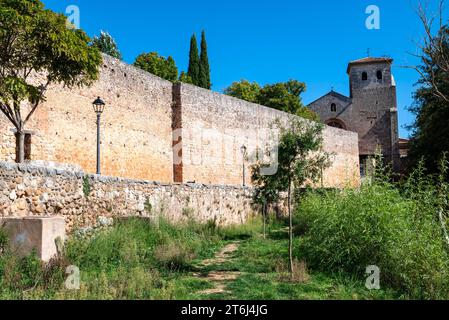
{"x":268,"y":286}
{"x":136,"y":260}
{"x":261,"y":260}
{"x":349,"y":230}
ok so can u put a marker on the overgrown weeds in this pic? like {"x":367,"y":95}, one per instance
{"x":134,"y":259}
{"x":394,"y":228}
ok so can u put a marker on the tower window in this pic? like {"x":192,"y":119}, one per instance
{"x":379,"y":75}
{"x":333,"y":107}
{"x":364,"y":76}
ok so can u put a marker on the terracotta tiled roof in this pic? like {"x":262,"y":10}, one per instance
{"x":368,"y":60}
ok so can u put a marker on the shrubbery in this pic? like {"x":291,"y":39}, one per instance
{"x":346,"y":231}
{"x":131,"y":243}
{"x":134,"y":259}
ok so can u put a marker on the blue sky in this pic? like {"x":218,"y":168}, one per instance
{"x":265,"y":41}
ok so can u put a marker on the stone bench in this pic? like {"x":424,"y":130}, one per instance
{"x":34,"y":233}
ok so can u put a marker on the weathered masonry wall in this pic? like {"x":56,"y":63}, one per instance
{"x":375,"y":106}
{"x":28,"y":190}
{"x":136,"y":125}
{"x":216,"y":126}
{"x":345,"y":162}
{"x":154,"y":130}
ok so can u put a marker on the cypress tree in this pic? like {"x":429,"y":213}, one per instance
{"x":194,"y":62}
{"x":204,"y":64}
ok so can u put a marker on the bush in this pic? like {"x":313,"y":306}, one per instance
{"x":132,"y":284}
{"x":133,"y":242}
{"x":174,"y":256}
{"x":21,"y":275}
{"x":350,"y":230}
{"x":134,"y":259}
{"x":4,"y":241}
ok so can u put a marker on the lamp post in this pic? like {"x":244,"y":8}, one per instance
{"x":244,"y":150}
{"x":98,"y":105}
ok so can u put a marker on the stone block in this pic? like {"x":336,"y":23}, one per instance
{"x":35,"y":233}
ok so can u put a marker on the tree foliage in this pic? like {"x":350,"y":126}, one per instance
{"x":245,"y":90}
{"x":194,"y":61}
{"x":34,"y":40}
{"x":106,"y":44}
{"x":160,"y":66}
{"x":204,"y":79}
{"x":433,"y":55}
{"x":185,"y":78}
{"x":300,"y":160}
{"x":430,"y":136}
{"x":284,"y":96}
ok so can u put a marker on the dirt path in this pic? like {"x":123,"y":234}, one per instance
{"x":219,"y":279}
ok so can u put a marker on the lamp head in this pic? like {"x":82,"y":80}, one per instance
{"x":98,"y":105}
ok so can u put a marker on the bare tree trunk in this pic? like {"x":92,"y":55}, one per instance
{"x":20,"y":147}
{"x":264,"y":219}
{"x":290,"y":231}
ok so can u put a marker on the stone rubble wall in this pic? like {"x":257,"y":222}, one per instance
{"x":30,"y":190}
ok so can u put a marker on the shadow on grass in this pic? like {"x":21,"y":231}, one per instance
{"x":278,"y":235}
{"x":271,"y":287}
{"x":237,"y":237}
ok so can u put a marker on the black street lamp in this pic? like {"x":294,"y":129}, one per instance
{"x":98,"y":105}
{"x":244,"y":150}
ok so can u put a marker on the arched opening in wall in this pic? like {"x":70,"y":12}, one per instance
{"x":333,"y":107}
{"x":336,"y":123}
{"x":379,"y":75}
{"x":364,"y":76}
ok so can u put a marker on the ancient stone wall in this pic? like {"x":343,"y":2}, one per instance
{"x":136,"y":125}
{"x":28,"y":190}
{"x":154,"y":130}
{"x":216,"y":126}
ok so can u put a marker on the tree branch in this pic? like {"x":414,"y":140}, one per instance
{"x":7,"y":111}
{"x":434,"y":50}
{"x":43,"y":88}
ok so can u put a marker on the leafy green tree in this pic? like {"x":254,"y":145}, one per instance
{"x":430,"y":137}
{"x":266,"y":193}
{"x":430,"y":132}
{"x":184,"y":78}
{"x":284,"y":96}
{"x":34,"y":40}
{"x":300,"y":160}
{"x":172,"y":70}
{"x":194,"y":62}
{"x":106,"y":44}
{"x":160,"y":66}
{"x":204,"y":80}
{"x":245,"y":90}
